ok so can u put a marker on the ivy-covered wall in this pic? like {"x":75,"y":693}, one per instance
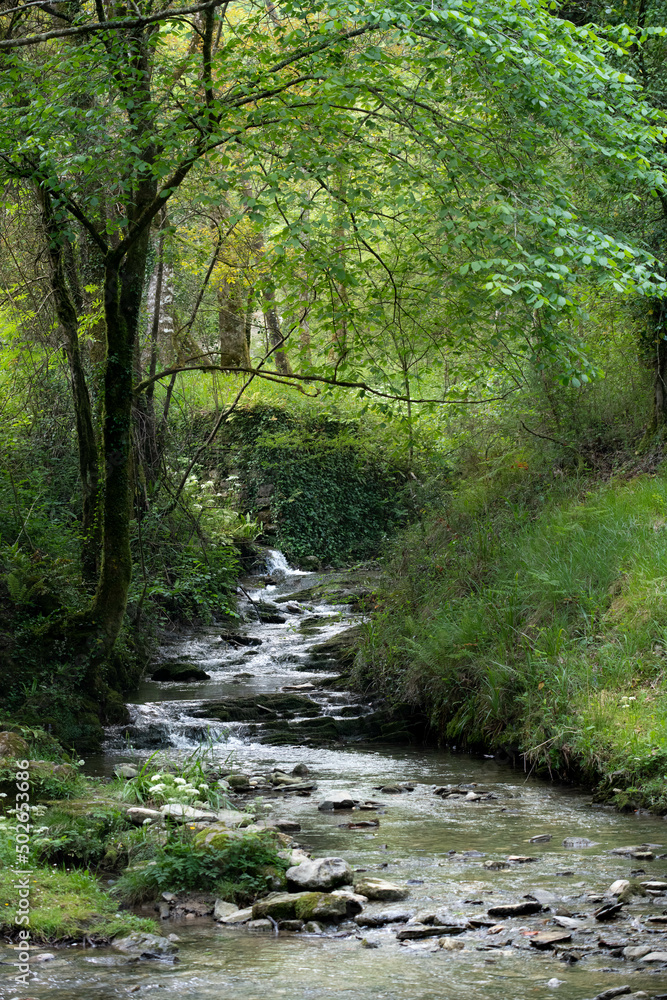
{"x":319,"y":482}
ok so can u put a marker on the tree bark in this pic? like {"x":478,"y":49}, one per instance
{"x":85,"y":430}
{"x":272,"y":321}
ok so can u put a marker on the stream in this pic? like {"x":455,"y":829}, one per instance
{"x":436,"y":845}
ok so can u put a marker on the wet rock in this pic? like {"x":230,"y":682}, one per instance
{"x":390,"y":789}
{"x":239,"y":640}
{"x":353,"y":901}
{"x":45,"y":956}
{"x":608,"y":912}
{"x":164,"y":911}
{"x":264,"y":926}
{"x":238,"y":782}
{"x":541,"y":838}
{"x":312,"y":927}
{"x":223,"y":909}
{"x":291,"y":925}
{"x":451,"y":944}
{"x":319,"y":906}
{"x":138,"y":815}
{"x":383,"y":917}
{"x":569,"y":922}
{"x":514,"y":909}
{"x":381,"y":890}
{"x":640,"y":852}
{"x":231,"y":817}
{"x":615,"y":991}
{"x":579,"y":842}
{"x":654,"y":957}
{"x":238,"y":917}
{"x":362,"y":824}
{"x":144,"y":945}
{"x":617,"y":887}
{"x":555,"y":983}
{"x":179,"y":672}
{"x":655,"y":886}
{"x":635,"y":952}
{"x":416,"y":932}
{"x":520,"y":859}
{"x":300,"y":770}
{"x":496,"y":866}
{"x":278,"y":905}
{"x":549,"y":939}
{"x":125,"y":771}
{"x":337,"y":800}
{"x":258,"y":708}
{"x":287,"y":826}
{"x":659,"y":920}
{"x":320,"y":874}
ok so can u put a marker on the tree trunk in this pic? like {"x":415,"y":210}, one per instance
{"x":234,"y":351}
{"x":85,"y":430}
{"x":272,"y":322}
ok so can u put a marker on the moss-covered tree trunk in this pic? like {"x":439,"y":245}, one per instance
{"x":66,"y":308}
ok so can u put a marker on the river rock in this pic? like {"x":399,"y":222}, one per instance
{"x":138,"y":815}
{"x":541,"y":838}
{"x":320,"y":874}
{"x":312,"y":927}
{"x":379,"y":889}
{"x":337,"y":800}
{"x":238,"y":917}
{"x":635,"y":952}
{"x":416,"y":932}
{"x":655,"y":886}
{"x":496,"y":866}
{"x":259,"y":925}
{"x":223,"y":909}
{"x":320,"y":906}
{"x":579,"y":842}
{"x":617,"y":887}
{"x":179,"y":672}
{"x":654,"y":957}
{"x":294,"y":926}
{"x":145,"y":945}
{"x":125,"y":771}
{"x":614,"y":991}
{"x":278,"y":905}
{"x":185,"y":814}
{"x":287,"y":826}
{"x":383,"y":917}
{"x":608,"y":912}
{"x":514,"y":909}
{"x":549,"y":939}
{"x":231,"y":817}
{"x":301,"y":770}
{"x":451,"y":944}
{"x":520,"y":859}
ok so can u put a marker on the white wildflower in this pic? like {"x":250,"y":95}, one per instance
{"x":180,"y":781}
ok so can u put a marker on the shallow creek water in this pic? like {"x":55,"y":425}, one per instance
{"x":412,"y":845}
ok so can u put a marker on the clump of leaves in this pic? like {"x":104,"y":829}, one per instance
{"x":180,"y":866}
{"x":90,"y":840}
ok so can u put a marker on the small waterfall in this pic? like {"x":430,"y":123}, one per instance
{"x":277,"y":565}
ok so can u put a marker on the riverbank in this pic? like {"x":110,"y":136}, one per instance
{"x":529,"y":618}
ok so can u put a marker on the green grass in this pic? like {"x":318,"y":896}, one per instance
{"x":66,"y":904}
{"x":536,"y":616}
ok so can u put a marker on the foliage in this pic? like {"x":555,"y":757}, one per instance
{"x":241,"y":867}
{"x":532,"y":616}
{"x":330,"y":493}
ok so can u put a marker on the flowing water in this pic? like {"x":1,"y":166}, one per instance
{"x":421,"y":841}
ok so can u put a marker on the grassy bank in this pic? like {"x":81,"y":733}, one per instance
{"x":90,"y":860}
{"x":529,"y":615}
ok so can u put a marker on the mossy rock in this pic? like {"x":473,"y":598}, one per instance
{"x":13,"y":747}
{"x":280,"y":906}
{"x":179,"y":672}
{"x":320,"y":906}
{"x":340,"y":650}
{"x":216,"y":837}
{"x":259,"y":708}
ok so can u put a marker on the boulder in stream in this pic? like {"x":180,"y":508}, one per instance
{"x":142,"y":945}
{"x":515,"y":909}
{"x":380,"y":889}
{"x":337,"y":800}
{"x":179,"y":672}
{"x":320,"y":874}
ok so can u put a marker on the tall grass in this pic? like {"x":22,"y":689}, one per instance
{"x":537,"y":618}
